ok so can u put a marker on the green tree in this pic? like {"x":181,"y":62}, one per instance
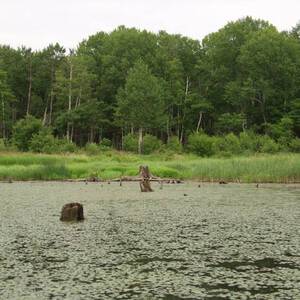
{"x":24,"y":130}
{"x":140,"y":102}
{"x":6,"y":100}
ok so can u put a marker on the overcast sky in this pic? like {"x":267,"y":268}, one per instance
{"x":36,"y":23}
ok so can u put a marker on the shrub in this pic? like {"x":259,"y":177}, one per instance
{"x":230,"y":123}
{"x":283,"y":129}
{"x":249,"y":141}
{"x":106,"y":142}
{"x":2,"y":145}
{"x":24,"y":130}
{"x":229,"y":144}
{"x":200,"y":144}
{"x":174,"y":144}
{"x":295,"y":145}
{"x":130,"y":143}
{"x":66,"y":146}
{"x":150,"y":144}
{"x":268,"y":145}
{"x":92,"y":149}
{"x":43,"y":142}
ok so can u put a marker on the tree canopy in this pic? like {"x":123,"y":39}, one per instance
{"x":244,"y":76}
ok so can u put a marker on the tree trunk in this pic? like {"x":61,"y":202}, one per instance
{"x":29,"y":87}
{"x":145,"y":181}
{"x":3,"y":118}
{"x":45,"y":113}
{"x":122,"y":138}
{"x":168,"y":129}
{"x":199,"y":121}
{"x":70,"y":99}
{"x":51,"y":98}
{"x":187,"y":85}
{"x":91,"y":135}
{"x":140,"y":146}
{"x":51,"y":107}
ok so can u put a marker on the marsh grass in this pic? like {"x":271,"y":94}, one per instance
{"x":109,"y":165}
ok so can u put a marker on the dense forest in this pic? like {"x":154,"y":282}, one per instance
{"x":244,"y":77}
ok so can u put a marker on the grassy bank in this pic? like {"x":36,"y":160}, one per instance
{"x":284,"y":168}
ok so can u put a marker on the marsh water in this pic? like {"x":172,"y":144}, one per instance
{"x":180,"y":242}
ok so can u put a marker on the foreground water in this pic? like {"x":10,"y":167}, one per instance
{"x":181,"y":242}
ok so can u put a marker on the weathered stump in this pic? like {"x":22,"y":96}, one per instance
{"x":72,"y":212}
{"x":145,"y":179}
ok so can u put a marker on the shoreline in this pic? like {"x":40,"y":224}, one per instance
{"x":293,"y":183}
{"x":116,"y":166}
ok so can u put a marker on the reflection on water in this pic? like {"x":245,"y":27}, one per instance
{"x":218,"y":242}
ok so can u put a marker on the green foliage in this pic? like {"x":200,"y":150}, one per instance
{"x":151,"y":144}
{"x":174,"y":144}
{"x":295,"y":145}
{"x":140,"y":103}
{"x":2,"y":145}
{"x":282,"y":129}
{"x":130,"y":143}
{"x":256,"y":168}
{"x":227,"y":145}
{"x":249,"y":142}
{"x":43,"y":142}
{"x":200,"y":144}
{"x":66,"y":146}
{"x":230,"y":123}
{"x":92,"y":149}
{"x":267,"y":145}
{"x":162,"y":83}
{"x":106,"y":142}
{"x":24,"y":130}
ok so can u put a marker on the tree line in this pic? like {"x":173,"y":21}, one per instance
{"x":244,"y":77}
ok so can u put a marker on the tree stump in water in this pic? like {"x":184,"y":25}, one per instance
{"x":72,"y":212}
{"x":145,"y":179}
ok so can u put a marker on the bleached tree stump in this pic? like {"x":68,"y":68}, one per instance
{"x":145,"y":179}
{"x":72,"y":212}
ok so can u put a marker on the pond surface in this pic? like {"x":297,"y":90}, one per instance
{"x":182,"y":242}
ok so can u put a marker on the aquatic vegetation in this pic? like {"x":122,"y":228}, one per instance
{"x":220,"y":241}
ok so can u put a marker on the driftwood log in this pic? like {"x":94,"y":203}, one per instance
{"x":145,"y":176}
{"x":72,"y":212}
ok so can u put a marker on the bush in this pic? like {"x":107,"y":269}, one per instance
{"x":66,"y":146}
{"x":43,"y":142}
{"x":229,"y":144}
{"x":295,"y":145}
{"x":150,"y":144}
{"x":248,"y":141}
{"x":2,"y":145}
{"x":106,"y":142}
{"x":268,"y":145}
{"x":230,"y":123}
{"x":200,"y":144}
{"x":92,"y":149}
{"x":24,"y":130}
{"x":174,"y":144}
{"x":281,"y":130}
{"x":130,"y":143}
